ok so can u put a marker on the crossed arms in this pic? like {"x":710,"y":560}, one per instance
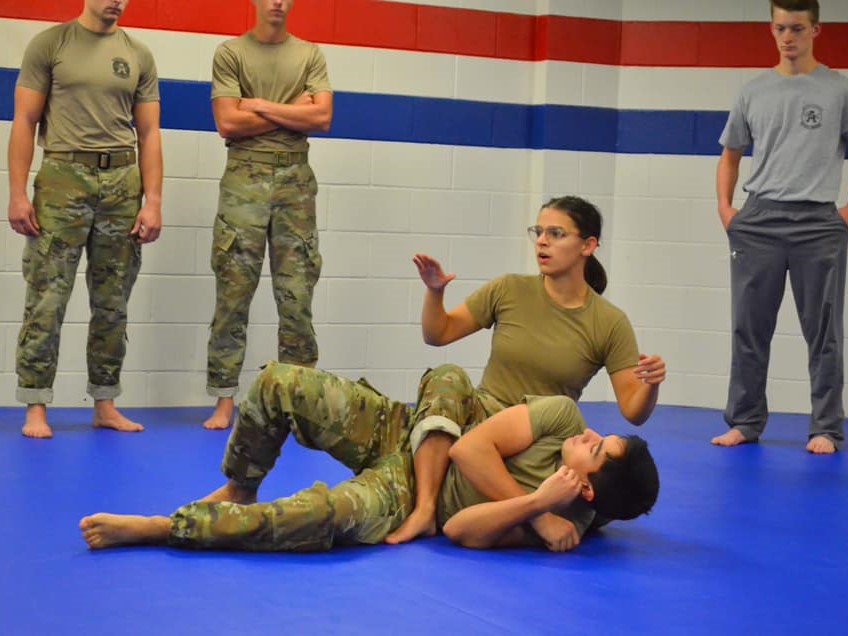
{"x":238,"y":118}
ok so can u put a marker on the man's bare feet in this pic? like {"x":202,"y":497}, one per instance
{"x":232,"y":492}
{"x":421,"y":523}
{"x":35,"y":424}
{"x":733,"y":437}
{"x":821,"y":445}
{"x":107,"y":416}
{"x":104,"y":530}
{"x":222,"y":417}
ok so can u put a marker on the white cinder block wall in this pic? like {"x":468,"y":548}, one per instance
{"x":381,"y":202}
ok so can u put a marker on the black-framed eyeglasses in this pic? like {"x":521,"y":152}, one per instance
{"x":553,"y":232}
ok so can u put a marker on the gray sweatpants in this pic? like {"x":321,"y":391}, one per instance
{"x":767,"y":239}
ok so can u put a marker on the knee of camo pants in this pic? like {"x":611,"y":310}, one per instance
{"x":259,"y":431}
{"x":300,"y":523}
{"x":446,"y":391}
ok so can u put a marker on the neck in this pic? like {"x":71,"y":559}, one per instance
{"x":800,"y":66}
{"x":567,"y":291}
{"x":270,"y":33}
{"x":93,"y":23}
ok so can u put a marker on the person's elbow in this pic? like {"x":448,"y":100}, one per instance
{"x":226,"y":128}
{"x":324,"y":121}
{"x":459,"y":535}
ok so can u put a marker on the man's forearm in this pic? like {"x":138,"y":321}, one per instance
{"x":304,"y":118}
{"x":238,"y":124}
{"x":150,"y":166}
{"x":21,"y":150}
{"x":485,"y":525}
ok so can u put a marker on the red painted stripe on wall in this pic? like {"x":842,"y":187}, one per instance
{"x":508,"y":36}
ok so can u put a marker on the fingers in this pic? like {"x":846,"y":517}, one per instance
{"x":651,"y":369}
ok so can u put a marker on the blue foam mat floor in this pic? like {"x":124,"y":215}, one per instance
{"x":746,"y":540}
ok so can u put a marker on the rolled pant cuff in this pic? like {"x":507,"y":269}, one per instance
{"x":222,"y":391}
{"x":429,"y":424}
{"x":34,"y":396}
{"x":99,"y":392}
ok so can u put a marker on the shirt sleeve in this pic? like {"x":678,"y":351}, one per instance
{"x":317,"y":78}
{"x":483,"y":303}
{"x":225,"y":77}
{"x":555,"y":416}
{"x":37,"y":66}
{"x":737,"y":133}
{"x":148,"y":79}
{"x":622,"y":350}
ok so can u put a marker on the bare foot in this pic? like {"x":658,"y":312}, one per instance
{"x":821,"y":445}
{"x":105,"y":530}
{"x":107,"y":416}
{"x":232,"y":492}
{"x":35,"y":424}
{"x":222,"y":417}
{"x":731,"y":438}
{"x":421,"y":523}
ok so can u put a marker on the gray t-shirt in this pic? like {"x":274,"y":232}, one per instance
{"x":798,"y":125}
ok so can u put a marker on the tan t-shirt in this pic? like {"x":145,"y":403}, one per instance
{"x":245,"y":67}
{"x":92,"y":82}
{"x":541,"y":348}
{"x":553,"y":419}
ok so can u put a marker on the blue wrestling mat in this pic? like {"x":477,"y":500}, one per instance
{"x":747,"y":540}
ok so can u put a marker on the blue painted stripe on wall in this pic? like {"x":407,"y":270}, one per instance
{"x":185,"y":106}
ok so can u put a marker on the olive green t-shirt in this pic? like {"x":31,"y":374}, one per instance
{"x":553,"y":419}
{"x":542,"y":348}
{"x":245,"y":67}
{"x":92,"y":82}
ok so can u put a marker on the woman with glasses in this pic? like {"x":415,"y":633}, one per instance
{"x":552,"y":332}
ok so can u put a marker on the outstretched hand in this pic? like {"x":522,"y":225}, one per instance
{"x":431,"y":272}
{"x":651,"y":369}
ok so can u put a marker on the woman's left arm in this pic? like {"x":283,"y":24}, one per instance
{"x":637,"y":388}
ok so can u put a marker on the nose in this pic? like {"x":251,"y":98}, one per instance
{"x":590,"y":436}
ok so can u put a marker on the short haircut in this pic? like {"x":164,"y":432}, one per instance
{"x":627,"y":486}
{"x":810,"y":6}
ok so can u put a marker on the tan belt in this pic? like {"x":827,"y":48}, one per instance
{"x":270,"y":158}
{"x":102,"y":160}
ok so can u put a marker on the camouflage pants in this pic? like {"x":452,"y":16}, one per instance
{"x":78,"y":207}
{"x":261,"y":203}
{"x":366,"y":431}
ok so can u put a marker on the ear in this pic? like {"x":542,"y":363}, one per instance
{"x":586,"y":491}
{"x":590,"y":245}
{"x":817,"y":29}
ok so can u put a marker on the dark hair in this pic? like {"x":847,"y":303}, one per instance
{"x":810,"y":6}
{"x":627,"y":486}
{"x":588,"y":220}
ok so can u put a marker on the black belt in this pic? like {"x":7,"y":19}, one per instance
{"x":269,"y":158}
{"x":103,"y":160}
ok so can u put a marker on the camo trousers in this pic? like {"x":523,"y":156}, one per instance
{"x":364,"y":430}
{"x":261,"y":203}
{"x":78,"y":207}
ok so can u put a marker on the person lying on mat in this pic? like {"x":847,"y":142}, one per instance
{"x":509,"y":480}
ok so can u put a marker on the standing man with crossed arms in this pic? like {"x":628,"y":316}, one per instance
{"x":796,"y":116}
{"x":82,"y":85}
{"x":269,"y":90}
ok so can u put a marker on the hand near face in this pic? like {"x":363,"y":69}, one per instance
{"x":559,"y":489}
{"x":559,"y":535}
{"x":430,"y":271}
{"x":651,"y":369}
